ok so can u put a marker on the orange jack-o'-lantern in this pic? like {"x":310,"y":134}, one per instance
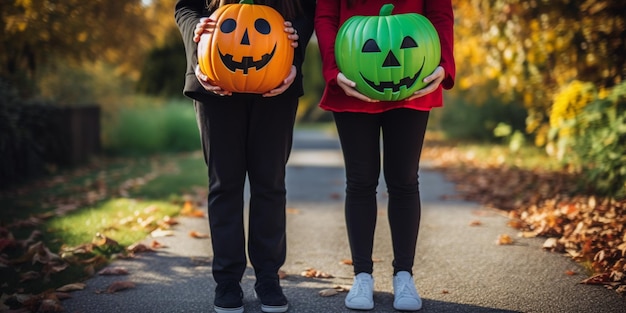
{"x":248,"y":51}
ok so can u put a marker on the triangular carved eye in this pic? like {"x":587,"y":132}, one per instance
{"x":370,"y":46}
{"x":408,"y":42}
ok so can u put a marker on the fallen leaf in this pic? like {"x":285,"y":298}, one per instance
{"x":292,"y":211}
{"x":342,"y":288}
{"x":335,"y":196}
{"x":119,"y":286}
{"x":570,"y":273}
{"x":475,"y":223}
{"x":328,"y":292}
{"x":156,"y":245}
{"x":504,"y":239}
{"x":71,"y":287}
{"x":346,"y":262}
{"x":550,"y":243}
{"x":198,"y":235}
{"x":161,"y":233}
{"x":50,"y":306}
{"x":313,"y":273}
{"x":100,"y":240}
{"x":62,"y":295}
{"x":189,"y":209}
{"x":169,"y":220}
{"x":515,"y":223}
{"x":113,"y":271}
{"x":30,"y":275}
{"x":599,"y":279}
{"x":282,"y":274}
{"x":138,"y":248}
{"x":445,"y":292}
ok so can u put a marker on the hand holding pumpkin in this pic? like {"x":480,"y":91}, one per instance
{"x":349,"y":87}
{"x":433,"y":80}
{"x":284,"y":85}
{"x":204,"y":81}
{"x":205,"y":25}
{"x":292,"y":34}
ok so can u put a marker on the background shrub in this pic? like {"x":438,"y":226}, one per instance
{"x":466,"y":117}
{"x":143,"y":130}
{"x":600,"y":143}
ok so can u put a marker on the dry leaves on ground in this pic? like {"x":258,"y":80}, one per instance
{"x":314,"y":273}
{"x":590,"y":229}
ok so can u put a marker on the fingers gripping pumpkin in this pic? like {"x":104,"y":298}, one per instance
{"x":387,"y":56}
{"x":248,"y":51}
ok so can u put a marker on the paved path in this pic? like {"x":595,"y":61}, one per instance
{"x":458,"y":267}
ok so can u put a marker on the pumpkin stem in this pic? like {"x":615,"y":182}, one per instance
{"x":246,"y":2}
{"x":385,"y":10}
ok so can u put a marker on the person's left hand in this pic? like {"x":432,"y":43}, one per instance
{"x":433,"y":79}
{"x":285,"y":84}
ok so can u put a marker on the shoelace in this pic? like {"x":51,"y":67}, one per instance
{"x":405,"y":289}
{"x":362,"y":285}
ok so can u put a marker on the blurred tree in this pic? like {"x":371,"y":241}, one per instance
{"x":163,"y":69}
{"x":533,"y":48}
{"x":34,"y":33}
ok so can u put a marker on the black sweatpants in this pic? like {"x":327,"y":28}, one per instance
{"x":247,"y":135}
{"x":403,"y":136}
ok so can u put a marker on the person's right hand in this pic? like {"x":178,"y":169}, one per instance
{"x":203,"y":79}
{"x":348,"y":87}
{"x":205,"y":25}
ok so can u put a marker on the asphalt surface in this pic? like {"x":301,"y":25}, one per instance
{"x":458,"y":267}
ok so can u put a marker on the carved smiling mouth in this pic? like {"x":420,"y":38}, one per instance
{"x":246,"y":62}
{"x":406,"y":81}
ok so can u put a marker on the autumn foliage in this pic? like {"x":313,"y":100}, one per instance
{"x":544,"y":204}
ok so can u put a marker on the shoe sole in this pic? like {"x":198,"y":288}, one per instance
{"x":406,"y":308}
{"x":359,"y":307}
{"x":228,"y":310}
{"x":274,"y":309}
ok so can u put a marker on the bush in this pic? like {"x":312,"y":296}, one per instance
{"x":147,"y":129}
{"x":468,"y":117}
{"x":600,"y":143}
{"x":588,"y":132}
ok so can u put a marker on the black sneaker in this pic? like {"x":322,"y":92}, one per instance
{"x":228,"y":298}
{"x":271,"y":295}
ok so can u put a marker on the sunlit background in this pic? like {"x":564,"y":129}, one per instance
{"x":546,"y":74}
{"x":91,"y":103}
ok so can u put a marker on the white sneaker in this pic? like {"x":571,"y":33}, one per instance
{"x":361,"y":295}
{"x":405,"y":296}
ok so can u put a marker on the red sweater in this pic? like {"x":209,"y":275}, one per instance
{"x":330,"y":15}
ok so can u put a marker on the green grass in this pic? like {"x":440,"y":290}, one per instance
{"x":108,"y":218}
{"x":123,"y":199}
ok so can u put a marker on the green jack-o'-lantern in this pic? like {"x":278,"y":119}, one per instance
{"x":387,"y":56}
{"x":248,"y":51}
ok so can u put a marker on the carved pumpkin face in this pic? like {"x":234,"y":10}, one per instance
{"x":248,"y":51}
{"x":387,"y":56}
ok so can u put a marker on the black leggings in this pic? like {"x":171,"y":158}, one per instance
{"x":403,"y":135}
